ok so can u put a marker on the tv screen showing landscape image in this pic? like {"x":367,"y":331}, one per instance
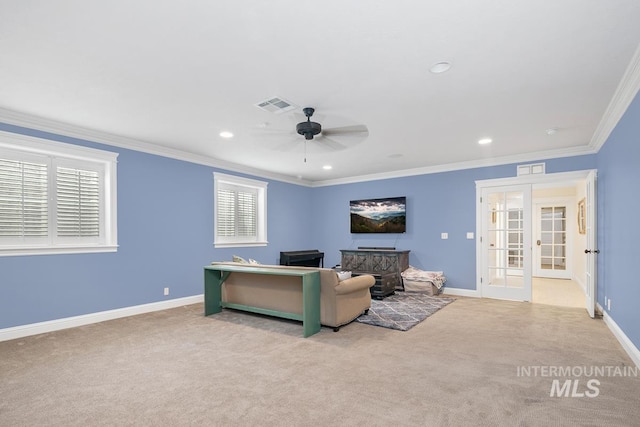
{"x":387,"y":215}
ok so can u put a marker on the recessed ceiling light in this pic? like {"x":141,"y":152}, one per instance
{"x":226,"y":134}
{"x":440,"y":67}
{"x":327,"y":167}
{"x":551,"y":131}
{"x":485,"y":141}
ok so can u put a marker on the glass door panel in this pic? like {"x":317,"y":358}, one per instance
{"x":507,"y":231}
{"x":552,"y":241}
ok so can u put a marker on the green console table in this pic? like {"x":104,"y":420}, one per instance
{"x":215,"y":275}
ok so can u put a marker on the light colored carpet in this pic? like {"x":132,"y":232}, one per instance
{"x":560,"y":292}
{"x":178,"y":368}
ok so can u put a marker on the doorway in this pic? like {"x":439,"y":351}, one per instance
{"x":528,"y":228}
{"x":557,"y":292}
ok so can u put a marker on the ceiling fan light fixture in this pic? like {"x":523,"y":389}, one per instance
{"x":308,"y":129}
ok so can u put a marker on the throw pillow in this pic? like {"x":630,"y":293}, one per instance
{"x":239,"y":259}
{"x":343,"y":275}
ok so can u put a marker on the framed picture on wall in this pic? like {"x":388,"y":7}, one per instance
{"x":582,"y":222}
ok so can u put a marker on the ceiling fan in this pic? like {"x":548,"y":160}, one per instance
{"x":324,"y":139}
{"x":309,"y":129}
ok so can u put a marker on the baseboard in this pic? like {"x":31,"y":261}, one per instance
{"x":624,"y":340}
{"x":461,"y":292}
{"x":72,"y":322}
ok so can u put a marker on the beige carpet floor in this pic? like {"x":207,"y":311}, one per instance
{"x":560,"y":292}
{"x":459,"y":367}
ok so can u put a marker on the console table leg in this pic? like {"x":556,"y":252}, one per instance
{"x":311,"y":304}
{"x":212,"y":291}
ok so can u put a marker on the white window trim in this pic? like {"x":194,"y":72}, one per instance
{"x":261,"y":187}
{"x":106,"y":160}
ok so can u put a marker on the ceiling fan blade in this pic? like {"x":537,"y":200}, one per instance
{"x":287,"y":145}
{"x":329,"y":143}
{"x":355,"y":130}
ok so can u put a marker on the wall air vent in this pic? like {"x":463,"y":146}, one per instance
{"x":276,"y":105}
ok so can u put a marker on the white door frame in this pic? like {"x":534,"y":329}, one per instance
{"x":562,"y":177}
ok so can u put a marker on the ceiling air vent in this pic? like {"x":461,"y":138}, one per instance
{"x":531,"y":169}
{"x":276,"y":105}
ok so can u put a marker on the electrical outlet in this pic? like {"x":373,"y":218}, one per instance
{"x":166,"y":291}
{"x":444,"y":236}
{"x":470,"y":235}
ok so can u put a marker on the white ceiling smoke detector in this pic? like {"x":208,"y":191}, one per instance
{"x":440,"y":67}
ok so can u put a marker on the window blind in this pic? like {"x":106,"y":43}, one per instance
{"x":247,"y":214}
{"x":237,"y":213}
{"x":240,"y":211}
{"x":226,"y":213}
{"x":23,"y":199}
{"x":78,"y":203}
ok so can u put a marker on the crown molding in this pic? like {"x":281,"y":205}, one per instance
{"x":42,"y":124}
{"x":495,"y":161}
{"x":622,"y":98}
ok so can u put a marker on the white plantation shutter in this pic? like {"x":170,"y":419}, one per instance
{"x":240,"y":211}
{"x":23,"y":200}
{"x":78,"y":203}
{"x":226,"y":211}
{"x":56,"y":197}
{"x":247,"y":203}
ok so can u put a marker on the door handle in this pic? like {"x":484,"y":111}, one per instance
{"x":538,"y":242}
{"x":588,"y":251}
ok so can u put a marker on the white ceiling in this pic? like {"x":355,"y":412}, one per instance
{"x":173,"y":75}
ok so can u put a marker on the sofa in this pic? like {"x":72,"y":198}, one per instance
{"x":341,"y":301}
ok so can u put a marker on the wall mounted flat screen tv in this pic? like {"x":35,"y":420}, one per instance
{"x":387,"y":215}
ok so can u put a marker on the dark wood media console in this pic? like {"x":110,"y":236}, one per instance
{"x":384,"y":264}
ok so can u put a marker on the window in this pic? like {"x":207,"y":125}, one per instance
{"x":55,"y":197}
{"x":240,"y":211}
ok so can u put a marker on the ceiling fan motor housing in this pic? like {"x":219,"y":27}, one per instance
{"x":309,"y":129}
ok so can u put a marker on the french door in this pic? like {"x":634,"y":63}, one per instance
{"x":506,"y":242}
{"x":551,"y":248}
{"x":591,"y":251}
{"x":504,"y":226}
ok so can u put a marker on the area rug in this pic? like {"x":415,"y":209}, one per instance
{"x":403,"y":310}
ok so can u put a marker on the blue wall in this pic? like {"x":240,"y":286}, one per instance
{"x":618,"y":232}
{"x":165,"y":237}
{"x":436,"y":203}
